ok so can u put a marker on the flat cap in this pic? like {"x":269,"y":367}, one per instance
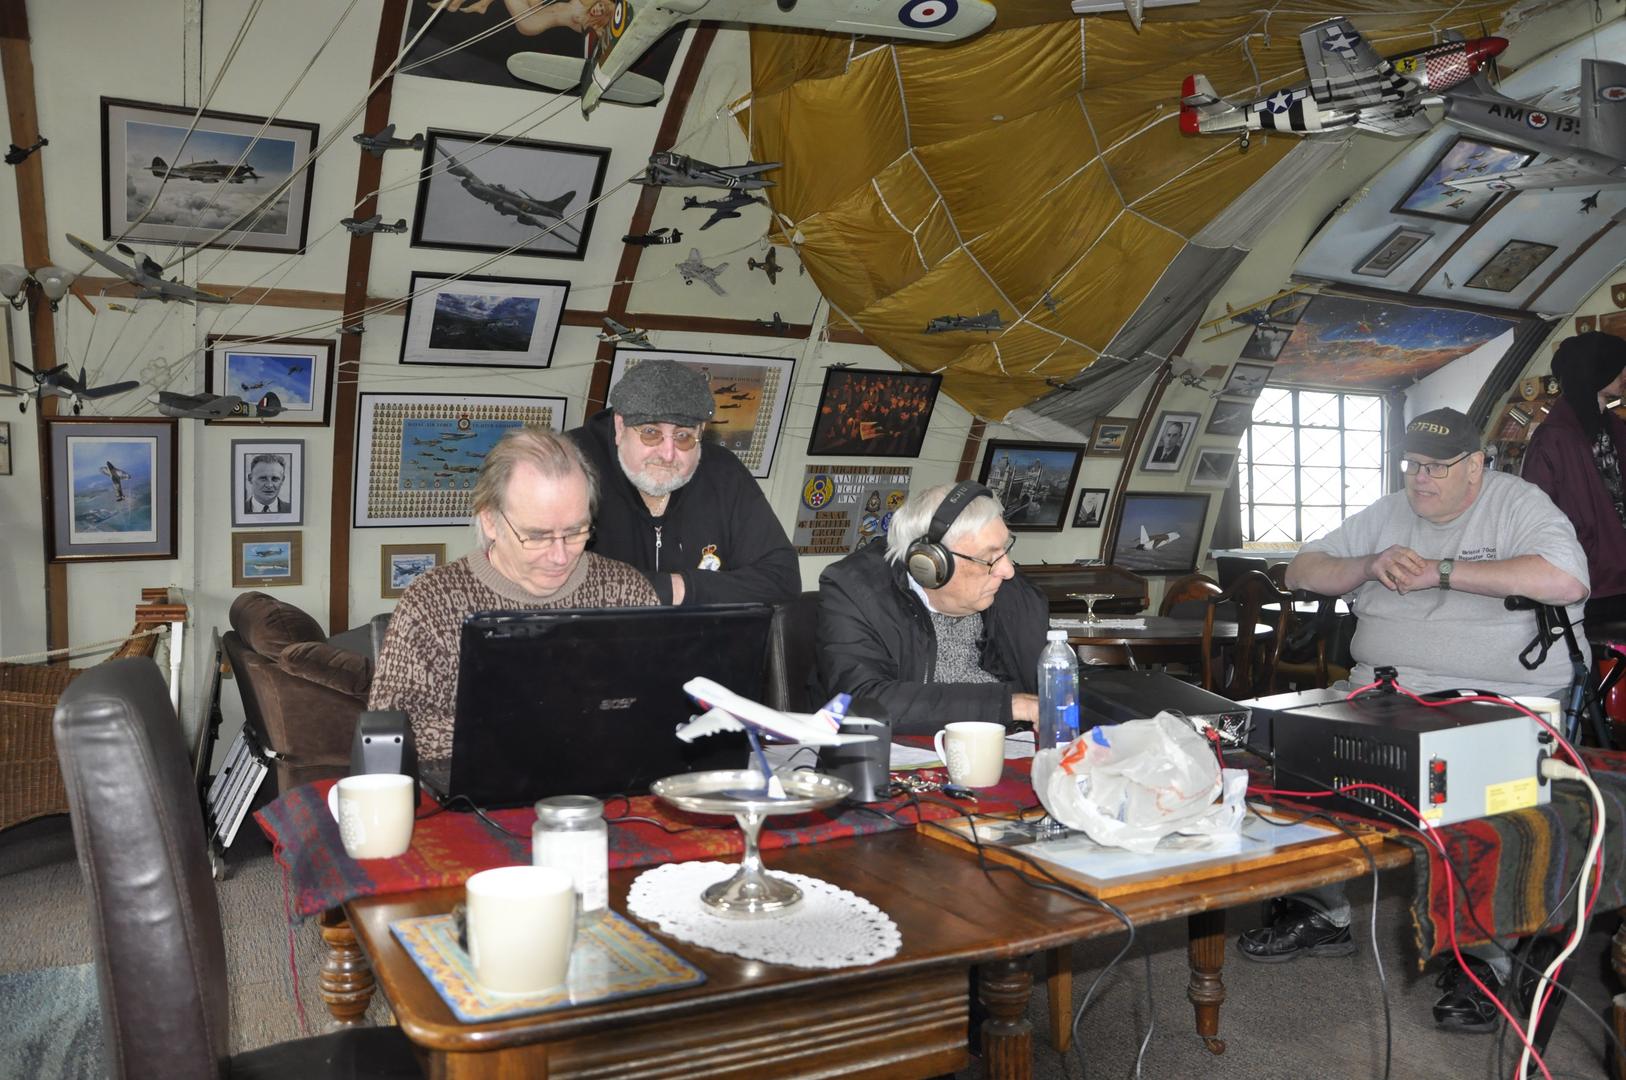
{"x":1441,"y":433}
{"x":663,"y":391}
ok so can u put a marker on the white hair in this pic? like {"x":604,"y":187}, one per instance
{"x":913,"y":520}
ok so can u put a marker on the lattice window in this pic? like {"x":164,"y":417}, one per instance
{"x":1309,"y":460}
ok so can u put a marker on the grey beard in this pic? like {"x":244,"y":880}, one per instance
{"x":652,"y":487}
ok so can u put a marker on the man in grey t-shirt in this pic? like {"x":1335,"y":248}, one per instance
{"x":1425,"y":571}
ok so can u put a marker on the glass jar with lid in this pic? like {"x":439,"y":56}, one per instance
{"x":570,"y":834}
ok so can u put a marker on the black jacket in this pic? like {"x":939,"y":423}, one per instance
{"x":876,"y":641}
{"x":721,"y":512}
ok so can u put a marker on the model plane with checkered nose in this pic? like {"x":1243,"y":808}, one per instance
{"x":634,"y":28}
{"x":1350,"y":85}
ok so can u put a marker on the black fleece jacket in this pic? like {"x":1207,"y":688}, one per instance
{"x":876,"y":641}
{"x":720,"y":518}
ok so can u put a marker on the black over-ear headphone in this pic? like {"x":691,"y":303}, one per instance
{"x":927,"y":560}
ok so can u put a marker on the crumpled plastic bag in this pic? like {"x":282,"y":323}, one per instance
{"x":1129,"y":785}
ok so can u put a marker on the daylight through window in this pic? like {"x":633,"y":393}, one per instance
{"x":1309,"y":460}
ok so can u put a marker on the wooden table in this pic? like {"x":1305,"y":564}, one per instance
{"x":904,"y":1017}
{"x":1164,"y":639}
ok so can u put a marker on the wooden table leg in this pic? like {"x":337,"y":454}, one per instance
{"x":1007,"y":1037}
{"x":346,"y":978}
{"x":1206,"y":991}
{"x":1617,"y":959}
{"x":1058,"y":980}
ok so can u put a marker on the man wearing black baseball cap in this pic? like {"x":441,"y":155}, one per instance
{"x":1425,"y":571}
{"x":691,"y":518}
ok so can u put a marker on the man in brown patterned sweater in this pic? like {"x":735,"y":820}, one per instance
{"x":533,"y":504}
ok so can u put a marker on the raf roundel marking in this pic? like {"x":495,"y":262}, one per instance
{"x":1536,"y":119}
{"x":1616,"y":92}
{"x":922,"y":14}
{"x":620,"y":16}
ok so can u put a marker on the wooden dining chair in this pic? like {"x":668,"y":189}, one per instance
{"x":1252,"y":660}
{"x":1196,"y":588}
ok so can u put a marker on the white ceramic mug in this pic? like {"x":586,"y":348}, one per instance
{"x":974,"y":751}
{"x":521,"y":927}
{"x":374,"y":812}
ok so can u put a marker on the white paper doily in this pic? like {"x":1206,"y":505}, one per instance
{"x":830,"y":928}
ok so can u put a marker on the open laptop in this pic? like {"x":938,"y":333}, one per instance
{"x":586,"y":702}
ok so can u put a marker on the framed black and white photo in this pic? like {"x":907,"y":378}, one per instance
{"x":402,"y":564}
{"x":1111,"y":435}
{"x":482,"y":321}
{"x":750,"y":392}
{"x":1159,"y":532}
{"x":261,"y":559}
{"x":112,"y":486}
{"x":231,"y":181}
{"x":1265,"y":343}
{"x":518,"y":196}
{"x":5,"y":448}
{"x":1091,"y":509}
{"x":1032,"y":480}
{"x":298,"y":371}
{"x":1247,"y":379}
{"x":267,"y":483}
{"x":873,"y":413}
{"x":1393,"y":251}
{"x":1229,"y":417}
{"x":1507,"y":269}
{"x":1213,"y":466}
{"x":1169,"y":440}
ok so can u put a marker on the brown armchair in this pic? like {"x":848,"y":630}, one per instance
{"x":302,"y":693}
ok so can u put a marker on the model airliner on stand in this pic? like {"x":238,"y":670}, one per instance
{"x":728,"y":711}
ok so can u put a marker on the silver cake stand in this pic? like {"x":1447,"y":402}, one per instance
{"x":1090,"y":599}
{"x":741,"y":792}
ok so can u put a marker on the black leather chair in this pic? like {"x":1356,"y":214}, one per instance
{"x":792,"y":653}
{"x":160,"y":952}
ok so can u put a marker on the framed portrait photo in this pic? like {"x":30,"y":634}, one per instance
{"x":1393,"y":251}
{"x":1032,"y":480}
{"x":1212,"y":467}
{"x":1432,"y":197}
{"x":418,"y":455}
{"x":111,"y":489}
{"x":482,"y":321}
{"x":1111,"y":436}
{"x":751,"y":393}
{"x":1159,"y":532}
{"x":163,"y":184}
{"x":873,"y":413}
{"x":299,"y":371}
{"x":1229,"y":417}
{"x":267,"y":483}
{"x":5,"y":448}
{"x":399,"y":565}
{"x":1247,"y":379}
{"x":1170,"y":439}
{"x":261,"y":559}
{"x":516,"y":196}
{"x":1507,"y":269}
{"x":1091,"y":509}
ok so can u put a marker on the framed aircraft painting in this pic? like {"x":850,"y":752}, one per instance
{"x":873,"y":413}
{"x":1431,"y":197}
{"x":482,"y":321}
{"x":299,"y":371}
{"x":751,"y":393}
{"x":1212,"y":467}
{"x":508,"y":196}
{"x":234,"y":181}
{"x":1507,"y":269}
{"x":261,"y":559}
{"x":1033,"y":481}
{"x":112,"y":485}
{"x":1159,"y":532}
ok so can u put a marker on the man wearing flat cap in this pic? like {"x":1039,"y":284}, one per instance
{"x":691,"y":517}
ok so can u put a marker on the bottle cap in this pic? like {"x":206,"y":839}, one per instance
{"x":1056,"y":635}
{"x":567,"y":809}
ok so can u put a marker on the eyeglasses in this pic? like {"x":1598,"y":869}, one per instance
{"x":1435,"y":469}
{"x":989,"y":564}
{"x":683,"y":438}
{"x":575,"y":538}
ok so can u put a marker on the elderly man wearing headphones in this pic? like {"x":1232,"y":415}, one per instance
{"x":937,"y":626}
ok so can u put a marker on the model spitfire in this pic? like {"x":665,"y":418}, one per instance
{"x":146,"y":275}
{"x":1349,"y":85}
{"x":667,"y":169}
{"x":1587,"y":149}
{"x":663,"y":235}
{"x":693,"y":270}
{"x":987,"y":321}
{"x":57,"y":382}
{"x":374,"y":224}
{"x":769,"y":266}
{"x":617,"y":334}
{"x":204,"y":172}
{"x":634,"y":29}
{"x":728,"y":206}
{"x":522,"y":206}
{"x":384,"y":139}
{"x":216,"y":406}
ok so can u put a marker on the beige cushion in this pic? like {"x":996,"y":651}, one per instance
{"x":321,"y":663}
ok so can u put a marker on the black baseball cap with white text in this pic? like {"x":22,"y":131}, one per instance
{"x":1442,"y":434}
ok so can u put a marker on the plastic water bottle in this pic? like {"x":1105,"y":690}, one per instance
{"x":1058,"y":692}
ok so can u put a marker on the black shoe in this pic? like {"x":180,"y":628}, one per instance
{"x":1295,"y":929}
{"x":1464,"y":1007}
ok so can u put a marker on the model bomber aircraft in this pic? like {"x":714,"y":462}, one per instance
{"x":618,"y":334}
{"x":522,"y":206}
{"x":668,"y":169}
{"x":987,"y":321}
{"x":769,"y":266}
{"x":216,"y":406}
{"x":374,"y":224}
{"x":146,"y":275}
{"x":1587,"y":148}
{"x":694,"y":269}
{"x":634,"y":29}
{"x":384,"y":139}
{"x":663,"y":235}
{"x":728,"y":206}
{"x":204,"y":172}
{"x":1349,"y":85}
{"x":57,"y":382}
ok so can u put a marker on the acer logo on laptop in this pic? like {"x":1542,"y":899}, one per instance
{"x":610,"y":703}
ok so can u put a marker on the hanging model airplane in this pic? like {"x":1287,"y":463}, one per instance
{"x":216,"y":406}
{"x":693,"y":270}
{"x":663,"y":235}
{"x":1155,"y":540}
{"x":1248,"y":316}
{"x":624,"y":335}
{"x":605,"y":75}
{"x":374,"y":224}
{"x":728,"y":206}
{"x":989,"y":320}
{"x":776,"y":326}
{"x":522,"y":206}
{"x":1587,"y":148}
{"x":1350,"y":85}
{"x":384,"y":139}
{"x":204,"y":172}
{"x":769,"y":266}
{"x":668,"y":169}
{"x":146,"y":275}
{"x":57,"y":382}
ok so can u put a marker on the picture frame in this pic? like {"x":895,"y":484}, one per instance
{"x":1287,"y":310}
{"x":1172,"y":526}
{"x":1213,"y":467}
{"x":5,"y":448}
{"x":1265,"y":343}
{"x":1032,"y":480}
{"x":300,"y":371}
{"x":111,"y":493}
{"x":486,"y":322}
{"x":149,"y":160}
{"x":1230,"y":417}
{"x":1246,"y":380}
{"x":1396,"y":248}
{"x":450,"y":216}
{"x":747,"y":428}
{"x":267,"y":483}
{"x":1111,"y":435}
{"x":873,"y":413}
{"x":1513,"y":262}
{"x":399,"y":565}
{"x":417,"y":455}
{"x":1430,"y":197}
{"x":262,"y":559}
{"x":1170,"y":439}
{"x":1091,"y":510}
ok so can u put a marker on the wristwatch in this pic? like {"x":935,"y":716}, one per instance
{"x":1446,"y":566}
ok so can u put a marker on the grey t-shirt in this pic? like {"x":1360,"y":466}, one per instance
{"x":1440,"y":640}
